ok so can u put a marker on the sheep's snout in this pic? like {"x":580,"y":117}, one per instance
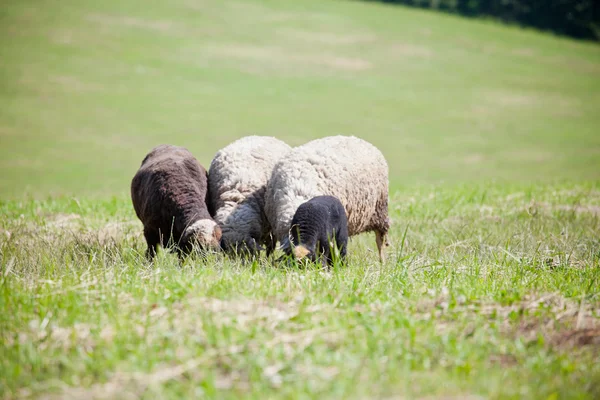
{"x":301,"y":252}
{"x":205,"y":233}
{"x":213,"y":240}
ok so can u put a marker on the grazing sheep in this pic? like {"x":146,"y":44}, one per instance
{"x":237,"y":180}
{"x":317,"y":225}
{"x":169,"y":194}
{"x":346,"y":167}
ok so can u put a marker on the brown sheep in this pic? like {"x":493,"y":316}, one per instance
{"x":169,"y":197}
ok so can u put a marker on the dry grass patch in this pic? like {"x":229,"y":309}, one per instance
{"x":578,"y":338}
{"x":330,"y":38}
{"x":67,"y":231}
{"x":276,"y":58}
{"x":512,"y":99}
{"x":563,"y":323}
{"x":159,"y":26}
{"x":410,"y":50}
{"x":474,"y":159}
{"x":75,"y":84}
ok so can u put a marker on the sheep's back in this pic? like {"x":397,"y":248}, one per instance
{"x":170,"y":183}
{"x":242,"y":169}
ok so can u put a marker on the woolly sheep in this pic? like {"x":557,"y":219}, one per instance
{"x":317,"y":225}
{"x":237,"y":180}
{"x":346,"y":167}
{"x":169,"y":197}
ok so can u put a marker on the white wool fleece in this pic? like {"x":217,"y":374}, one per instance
{"x":237,"y":180}
{"x":346,"y":167}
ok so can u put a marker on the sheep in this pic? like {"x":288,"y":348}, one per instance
{"x":169,"y":197}
{"x":237,"y":180}
{"x":317,"y":226}
{"x":346,"y":167}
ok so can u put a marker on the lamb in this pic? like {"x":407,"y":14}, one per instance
{"x":317,"y":226}
{"x":169,"y":197}
{"x":346,"y":167}
{"x":237,"y":180}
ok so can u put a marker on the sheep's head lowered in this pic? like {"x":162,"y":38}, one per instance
{"x":204,"y":233}
{"x":245,"y":248}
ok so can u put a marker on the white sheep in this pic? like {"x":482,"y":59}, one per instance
{"x":237,"y":180}
{"x":346,"y":167}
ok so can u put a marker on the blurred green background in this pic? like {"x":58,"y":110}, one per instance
{"x":87,"y":88}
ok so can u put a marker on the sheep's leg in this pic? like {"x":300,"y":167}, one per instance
{"x":343,"y":250}
{"x":326,"y":261}
{"x":322,"y":253}
{"x":152,"y":240}
{"x":181,"y":254}
{"x":325,"y":256}
{"x":382,"y":241}
{"x":270,"y":245}
{"x":341,"y":240}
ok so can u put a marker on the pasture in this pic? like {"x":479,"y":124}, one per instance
{"x":491,"y":287}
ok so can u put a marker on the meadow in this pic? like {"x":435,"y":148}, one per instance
{"x":491,"y":288}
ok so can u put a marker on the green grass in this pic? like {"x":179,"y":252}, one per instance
{"x":87,"y":88}
{"x":488,"y":292}
{"x":492,"y":285}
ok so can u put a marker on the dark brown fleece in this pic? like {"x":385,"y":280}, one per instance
{"x":169,"y":194}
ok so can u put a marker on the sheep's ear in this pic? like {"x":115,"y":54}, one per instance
{"x":217,"y":233}
{"x":300,"y":252}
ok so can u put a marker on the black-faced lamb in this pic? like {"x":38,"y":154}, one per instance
{"x":349,"y":168}
{"x":237,"y":180}
{"x":318,"y":226}
{"x":169,"y":197}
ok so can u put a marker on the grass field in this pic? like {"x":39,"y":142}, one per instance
{"x":492,"y":134}
{"x":87,"y":88}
